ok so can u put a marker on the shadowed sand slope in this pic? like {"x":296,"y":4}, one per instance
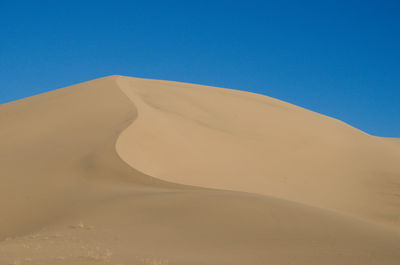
{"x":67,"y":197}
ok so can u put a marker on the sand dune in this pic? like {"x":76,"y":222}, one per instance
{"x":122,"y":170}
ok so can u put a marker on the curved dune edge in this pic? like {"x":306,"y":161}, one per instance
{"x":67,"y":198}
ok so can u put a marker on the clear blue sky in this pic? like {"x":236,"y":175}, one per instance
{"x":339,"y":58}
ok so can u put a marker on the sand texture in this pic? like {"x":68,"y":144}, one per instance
{"x":128,"y":171}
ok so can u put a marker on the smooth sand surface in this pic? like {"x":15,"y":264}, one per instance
{"x":124,"y":171}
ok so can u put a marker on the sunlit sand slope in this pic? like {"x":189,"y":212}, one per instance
{"x":227,"y":139}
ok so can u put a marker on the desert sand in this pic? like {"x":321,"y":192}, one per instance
{"x":125,"y":171}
